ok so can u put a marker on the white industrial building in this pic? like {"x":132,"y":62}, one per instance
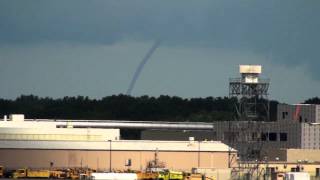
{"x":40,"y":143}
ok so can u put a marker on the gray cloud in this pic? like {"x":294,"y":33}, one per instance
{"x":288,"y":29}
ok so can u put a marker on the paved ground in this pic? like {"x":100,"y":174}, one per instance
{"x":24,"y":178}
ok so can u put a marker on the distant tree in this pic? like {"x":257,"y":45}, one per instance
{"x":314,"y":100}
{"x":124,"y":107}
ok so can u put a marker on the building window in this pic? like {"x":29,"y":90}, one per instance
{"x":128,"y":162}
{"x":272,"y":136}
{"x":254,"y":136}
{"x":264,"y":136}
{"x":317,"y":172}
{"x":214,"y":136}
{"x":295,"y":169}
{"x":272,"y":170}
{"x":283,"y":137}
{"x":284,"y":114}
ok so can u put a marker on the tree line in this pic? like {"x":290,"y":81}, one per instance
{"x":124,"y":107}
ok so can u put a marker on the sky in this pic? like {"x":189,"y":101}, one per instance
{"x":92,"y":48}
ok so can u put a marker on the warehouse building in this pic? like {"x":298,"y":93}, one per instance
{"x":43,"y":144}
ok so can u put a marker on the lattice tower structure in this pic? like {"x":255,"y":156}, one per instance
{"x":251,"y":110}
{"x":251,"y":92}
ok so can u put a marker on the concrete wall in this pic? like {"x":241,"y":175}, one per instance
{"x":311,"y":155}
{"x":61,"y":134}
{"x":310,"y":136}
{"x":18,"y":158}
{"x":243,"y":134}
{"x":317,"y":113}
{"x":274,"y":154}
{"x":177,"y":135}
{"x":293,"y":131}
{"x":292,"y":155}
{"x":299,"y":113}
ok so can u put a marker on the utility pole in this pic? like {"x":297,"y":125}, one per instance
{"x":110,"y":156}
{"x":199,"y":154}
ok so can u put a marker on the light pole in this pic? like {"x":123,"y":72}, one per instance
{"x":199,"y":154}
{"x":110,"y":156}
{"x":267,"y":167}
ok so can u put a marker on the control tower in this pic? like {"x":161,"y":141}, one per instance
{"x":251,"y":109}
{"x":251,"y":92}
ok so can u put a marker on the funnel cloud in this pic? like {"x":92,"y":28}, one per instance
{"x":141,"y":66}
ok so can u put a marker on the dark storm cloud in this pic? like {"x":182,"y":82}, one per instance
{"x":288,"y":29}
